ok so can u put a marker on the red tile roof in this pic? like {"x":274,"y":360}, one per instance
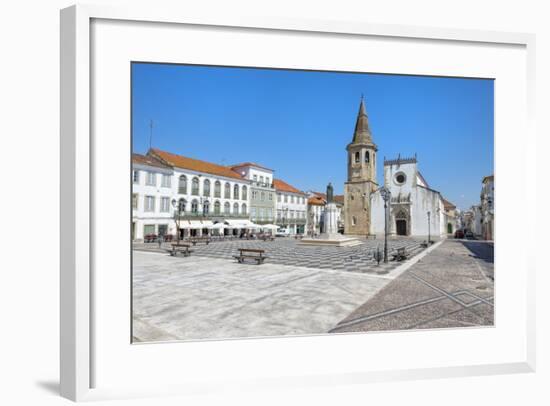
{"x":147,"y":160}
{"x":193,"y":164}
{"x":249,"y":164}
{"x":285,"y":187}
{"x":316,"y":201}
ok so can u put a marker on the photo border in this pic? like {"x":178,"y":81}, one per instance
{"x":76,"y":280}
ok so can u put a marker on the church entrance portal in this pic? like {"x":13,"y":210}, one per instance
{"x":401,"y":227}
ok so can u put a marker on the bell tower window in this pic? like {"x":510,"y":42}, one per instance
{"x":357,"y":157}
{"x":367,"y":157}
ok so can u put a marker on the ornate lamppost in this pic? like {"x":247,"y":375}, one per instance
{"x":177,"y":214}
{"x":386,"y":196}
{"x":429,"y":235}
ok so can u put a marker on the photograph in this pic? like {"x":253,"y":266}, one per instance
{"x":277,"y":202}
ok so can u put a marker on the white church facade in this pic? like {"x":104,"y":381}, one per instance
{"x":414,"y":209}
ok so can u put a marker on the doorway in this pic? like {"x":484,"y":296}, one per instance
{"x":401,"y":227}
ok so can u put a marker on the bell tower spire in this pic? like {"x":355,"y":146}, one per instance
{"x":361,"y":175}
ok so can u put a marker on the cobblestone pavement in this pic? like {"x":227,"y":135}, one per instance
{"x":286,"y":251}
{"x":452,"y":286}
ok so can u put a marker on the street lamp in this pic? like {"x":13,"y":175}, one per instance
{"x":386,"y":196}
{"x":429,"y":239}
{"x":177,"y":215}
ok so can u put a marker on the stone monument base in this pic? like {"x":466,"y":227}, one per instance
{"x":331,"y":240}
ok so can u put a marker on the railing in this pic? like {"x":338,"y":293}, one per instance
{"x":209,"y":216}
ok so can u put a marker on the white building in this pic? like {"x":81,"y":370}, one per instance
{"x":487,"y":211}
{"x":414,"y":209}
{"x":203,"y":194}
{"x":291,"y":206}
{"x":152,"y":194}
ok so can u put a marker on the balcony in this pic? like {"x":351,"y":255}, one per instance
{"x":211,"y":216}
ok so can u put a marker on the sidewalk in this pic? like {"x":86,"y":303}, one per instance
{"x":452,"y":286}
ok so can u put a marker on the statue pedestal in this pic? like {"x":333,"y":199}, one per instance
{"x":331,"y":237}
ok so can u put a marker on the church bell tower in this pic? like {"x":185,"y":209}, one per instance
{"x":361,"y":176}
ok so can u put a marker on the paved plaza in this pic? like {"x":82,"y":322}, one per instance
{"x":308,"y":290}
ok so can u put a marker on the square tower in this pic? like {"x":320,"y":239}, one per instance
{"x":361,"y":177}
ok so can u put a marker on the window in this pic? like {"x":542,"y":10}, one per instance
{"x":245,"y":194}
{"x":181,"y":205}
{"x":149,"y":203}
{"x":206,"y":188}
{"x":357,"y":157}
{"x":206,"y":207}
{"x":400,"y":178}
{"x":135,"y":201}
{"x":236,"y":192}
{"x":195,"y":186}
{"x":217,"y":189}
{"x":267,"y":180}
{"x":279,"y":197}
{"x":292,"y":199}
{"x":165,"y":204}
{"x":291,"y":214}
{"x":227,"y":191}
{"x":151,"y":179}
{"x":353,"y":221}
{"x":166,"y":180}
{"x":182,"y":185}
{"x":194,"y":206}
{"x":269,"y":213}
{"x":367,"y":157}
{"x":236,"y":208}
{"x":226,"y":208}
{"x":279,"y":214}
{"x":243,"y":208}
{"x":148,"y":229}
{"x":261,"y":179}
{"x":262,"y":196}
{"x":286,"y":198}
{"x":135,"y":176}
{"x":255,"y":177}
{"x":261,"y":215}
{"x":254,"y":195}
{"x":253,"y":213}
{"x":217,"y":207}
{"x":270,"y":195}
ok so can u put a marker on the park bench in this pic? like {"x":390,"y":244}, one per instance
{"x":254,"y":254}
{"x":400,"y":254}
{"x":201,"y":240}
{"x":183,"y":248}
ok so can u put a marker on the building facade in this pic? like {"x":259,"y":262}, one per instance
{"x":188,"y":195}
{"x":361,"y":175}
{"x":414,"y":209}
{"x":262,"y":191}
{"x":487,"y":209}
{"x":151,"y":197}
{"x":291,"y":206}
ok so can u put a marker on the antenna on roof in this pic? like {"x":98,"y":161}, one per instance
{"x":150,"y":134}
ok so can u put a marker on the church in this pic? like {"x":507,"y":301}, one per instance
{"x":414,"y":209}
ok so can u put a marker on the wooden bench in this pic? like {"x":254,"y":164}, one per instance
{"x":196,"y":240}
{"x":400,"y":254}
{"x":255,"y":254}
{"x":183,"y":248}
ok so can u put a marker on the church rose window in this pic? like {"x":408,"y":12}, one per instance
{"x":400,"y":178}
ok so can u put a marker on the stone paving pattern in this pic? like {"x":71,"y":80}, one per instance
{"x":308,"y":290}
{"x":450,"y":287}
{"x":286,"y":251}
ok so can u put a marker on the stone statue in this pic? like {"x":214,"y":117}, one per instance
{"x":330,"y":193}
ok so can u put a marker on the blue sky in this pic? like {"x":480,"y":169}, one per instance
{"x":299,"y":122}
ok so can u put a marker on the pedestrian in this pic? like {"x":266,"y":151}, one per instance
{"x":160,"y":240}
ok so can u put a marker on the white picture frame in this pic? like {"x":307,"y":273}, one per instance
{"x":78,"y":348}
